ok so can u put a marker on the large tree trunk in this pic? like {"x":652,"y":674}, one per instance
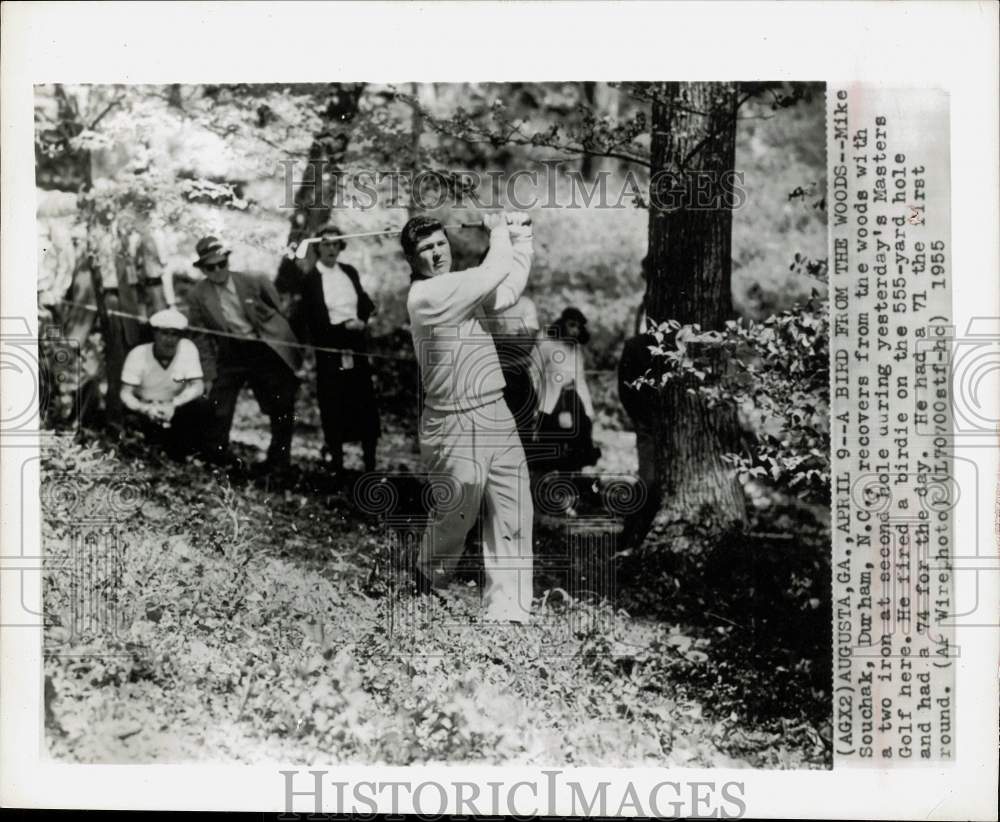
{"x":318,"y":188}
{"x":693,"y":131}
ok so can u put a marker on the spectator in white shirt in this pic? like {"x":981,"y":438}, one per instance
{"x":337,"y":310}
{"x":566,"y":411}
{"x":161,"y":382}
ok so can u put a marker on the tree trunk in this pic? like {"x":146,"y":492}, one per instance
{"x":588,"y":163}
{"x":693,"y":138}
{"x":416,"y":132}
{"x":317,"y":192}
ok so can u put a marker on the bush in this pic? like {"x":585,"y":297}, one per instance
{"x":777,"y":373}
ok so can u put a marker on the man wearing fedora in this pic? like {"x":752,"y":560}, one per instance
{"x":255,"y":345}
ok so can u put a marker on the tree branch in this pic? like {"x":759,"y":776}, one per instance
{"x":107,"y":110}
{"x":513,"y":134}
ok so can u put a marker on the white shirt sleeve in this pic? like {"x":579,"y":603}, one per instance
{"x":188,"y":363}
{"x":581,"y":383}
{"x":135,"y":365}
{"x":547,"y":392}
{"x":510,"y":290}
{"x":455,"y":296}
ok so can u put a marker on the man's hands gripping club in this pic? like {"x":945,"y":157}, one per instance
{"x":517,"y":222}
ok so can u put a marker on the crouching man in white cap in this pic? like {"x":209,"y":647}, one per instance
{"x":162,"y":382}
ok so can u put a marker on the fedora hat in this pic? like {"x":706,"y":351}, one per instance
{"x":210,"y":251}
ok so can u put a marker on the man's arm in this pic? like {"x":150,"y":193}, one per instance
{"x":203,"y":342}
{"x":189,"y":373}
{"x":131,"y":400}
{"x":268,"y":293}
{"x":192,"y":390}
{"x":455,"y":296}
{"x":581,"y":384}
{"x":510,"y":290}
{"x":129,"y":392}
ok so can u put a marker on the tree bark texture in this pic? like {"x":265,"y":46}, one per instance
{"x":317,"y":191}
{"x":693,"y":144}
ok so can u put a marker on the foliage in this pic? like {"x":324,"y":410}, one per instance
{"x":209,"y":159}
{"x":497,"y":120}
{"x":248,"y":636}
{"x":777,"y":372}
{"x":760,"y":601}
{"x":248,"y":632}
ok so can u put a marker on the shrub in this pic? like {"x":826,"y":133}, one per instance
{"x":777,"y":373}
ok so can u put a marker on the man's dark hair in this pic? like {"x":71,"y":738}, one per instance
{"x":415,"y":230}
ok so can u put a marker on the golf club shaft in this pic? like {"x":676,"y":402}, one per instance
{"x":303,"y":247}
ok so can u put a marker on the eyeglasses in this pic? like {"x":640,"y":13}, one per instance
{"x":213,"y":266}
{"x":329,"y":243}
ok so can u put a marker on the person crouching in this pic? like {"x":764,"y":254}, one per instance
{"x":162,"y":383}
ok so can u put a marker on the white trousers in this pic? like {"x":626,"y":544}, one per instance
{"x":471,"y":456}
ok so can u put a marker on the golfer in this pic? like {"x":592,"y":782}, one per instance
{"x":468,"y":437}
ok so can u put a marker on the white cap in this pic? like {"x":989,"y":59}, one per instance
{"x":169,"y":318}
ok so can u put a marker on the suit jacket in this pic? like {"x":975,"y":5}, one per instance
{"x":636,"y":360}
{"x":321,"y":332}
{"x":288,"y":284}
{"x":260,"y":298}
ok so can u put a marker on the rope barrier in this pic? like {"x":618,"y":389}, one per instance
{"x":215,"y":332}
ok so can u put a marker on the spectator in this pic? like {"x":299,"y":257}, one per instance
{"x":256,"y":346}
{"x":126,"y":265}
{"x":337,"y":310}
{"x":640,"y":403}
{"x":566,"y":412}
{"x":643,"y":310}
{"x":162,"y":383}
{"x":290,"y":277}
{"x":515,"y":332}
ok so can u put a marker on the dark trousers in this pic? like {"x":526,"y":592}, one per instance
{"x":566,"y":449}
{"x":519,"y":392}
{"x":347,"y":408}
{"x":182,"y":437}
{"x":273,"y":384}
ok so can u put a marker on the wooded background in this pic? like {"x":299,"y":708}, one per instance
{"x":739,"y":551}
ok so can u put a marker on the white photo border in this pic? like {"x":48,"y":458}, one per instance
{"x":950,"y":45}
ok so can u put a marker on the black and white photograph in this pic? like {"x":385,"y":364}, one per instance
{"x":436,"y":422}
{"x":500,"y":408}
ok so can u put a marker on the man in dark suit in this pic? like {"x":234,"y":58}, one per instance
{"x":640,"y":402}
{"x":256,"y":346}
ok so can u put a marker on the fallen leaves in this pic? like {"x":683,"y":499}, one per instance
{"x":244,"y":641}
